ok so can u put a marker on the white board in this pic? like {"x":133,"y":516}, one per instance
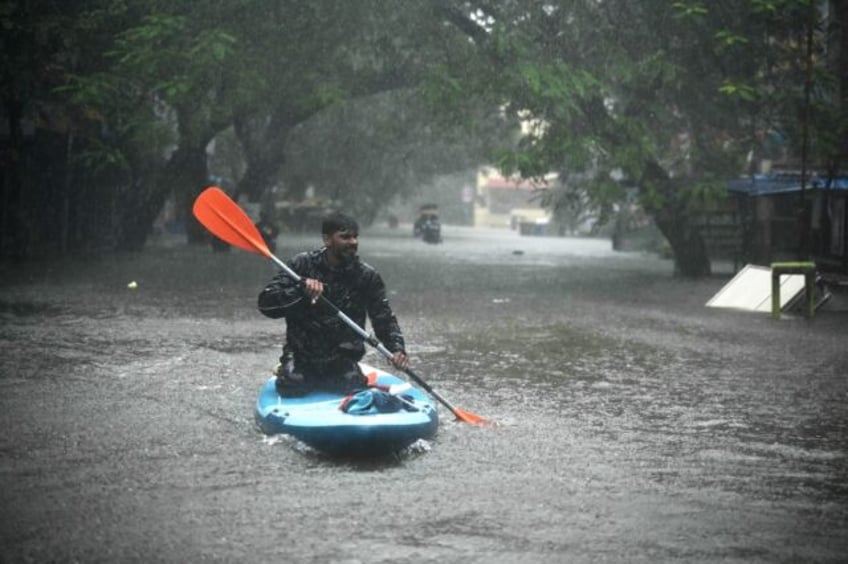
{"x":750,"y":290}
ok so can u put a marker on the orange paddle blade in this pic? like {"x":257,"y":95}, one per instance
{"x":227,"y":221}
{"x":461,"y":415}
{"x":469,"y":417}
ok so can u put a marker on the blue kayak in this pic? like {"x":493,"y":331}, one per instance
{"x":320,"y":419}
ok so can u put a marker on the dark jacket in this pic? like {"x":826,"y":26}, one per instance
{"x":316,"y":334}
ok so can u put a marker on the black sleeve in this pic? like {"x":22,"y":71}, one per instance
{"x":383,"y":320}
{"x":282,"y":297}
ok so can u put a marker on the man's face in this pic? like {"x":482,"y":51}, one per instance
{"x":342,"y":246}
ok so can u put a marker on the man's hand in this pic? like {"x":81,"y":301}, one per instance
{"x":313,"y":289}
{"x":400,"y":360}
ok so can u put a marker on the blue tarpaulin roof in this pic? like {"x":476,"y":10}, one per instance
{"x":764,"y":185}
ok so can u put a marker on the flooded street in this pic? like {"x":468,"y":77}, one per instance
{"x":634,"y":424}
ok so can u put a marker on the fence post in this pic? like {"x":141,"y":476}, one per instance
{"x":808,"y":269}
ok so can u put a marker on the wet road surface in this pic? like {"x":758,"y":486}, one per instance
{"x":634,"y":424}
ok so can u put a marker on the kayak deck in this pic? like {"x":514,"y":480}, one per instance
{"x":316,"y":420}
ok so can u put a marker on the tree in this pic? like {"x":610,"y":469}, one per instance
{"x":59,"y":178}
{"x":670,"y":96}
{"x":264,"y":70}
{"x":146,"y":86}
{"x":339,"y":53}
{"x":177,"y":71}
{"x":363,"y":153}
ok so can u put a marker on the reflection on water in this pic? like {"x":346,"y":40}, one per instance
{"x":634,"y":424}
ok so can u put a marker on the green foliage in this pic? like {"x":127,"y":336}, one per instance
{"x":689,"y":9}
{"x":672,"y":95}
{"x":669,"y":96}
{"x":738,"y":90}
{"x":168,"y":57}
{"x":726,"y":39}
{"x":101,"y":158}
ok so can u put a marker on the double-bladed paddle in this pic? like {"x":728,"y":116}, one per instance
{"x":227,"y":221}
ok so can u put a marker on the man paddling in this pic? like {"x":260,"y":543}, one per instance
{"x":321,"y":352}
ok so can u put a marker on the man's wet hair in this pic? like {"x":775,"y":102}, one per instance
{"x":338,"y":221}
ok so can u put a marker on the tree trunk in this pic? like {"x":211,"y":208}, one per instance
{"x":187,"y":174}
{"x":187,"y":171}
{"x":264,"y":148}
{"x":141,"y":202}
{"x":687,"y":244}
{"x":138,"y":212}
{"x":13,"y":234}
{"x":839,"y":50}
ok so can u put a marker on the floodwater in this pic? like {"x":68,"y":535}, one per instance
{"x":633,"y":423}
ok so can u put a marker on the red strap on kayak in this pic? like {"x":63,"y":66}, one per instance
{"x":345,"y":401}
